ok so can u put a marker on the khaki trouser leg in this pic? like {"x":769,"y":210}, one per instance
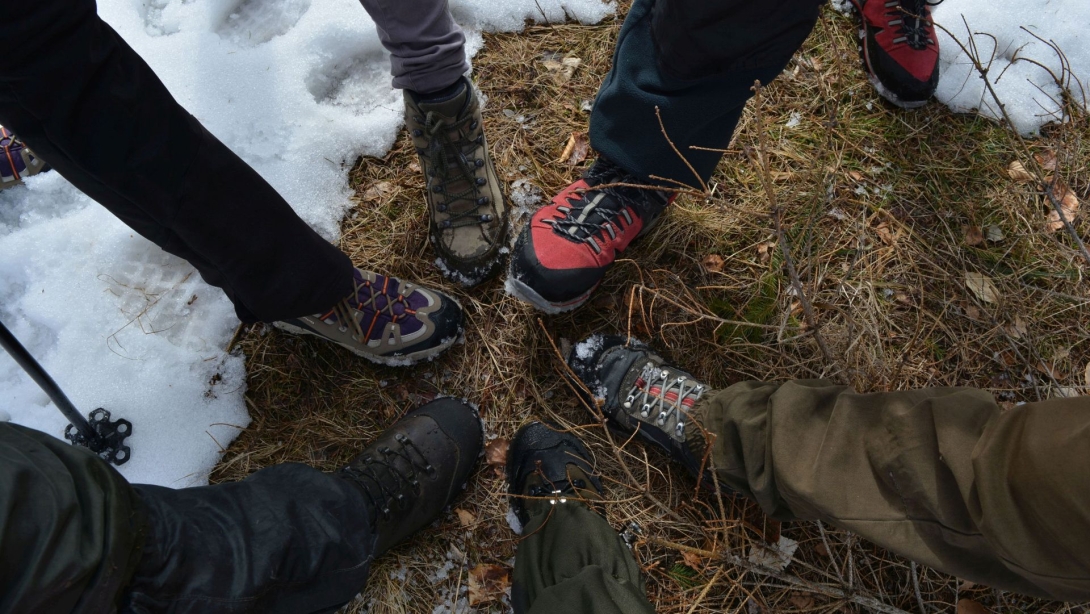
{"x":940,"y":476}
{"x":572,"y":561}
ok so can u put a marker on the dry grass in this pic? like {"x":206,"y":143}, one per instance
{"x":876,"y":203}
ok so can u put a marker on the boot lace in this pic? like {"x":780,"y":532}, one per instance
{"x":365,"y":299}
{"x":913,"y":21}
{"x":452,"y":162}
{"x":664,"y":398}
{"x":597,"y":212}
{"x":384,"y":480}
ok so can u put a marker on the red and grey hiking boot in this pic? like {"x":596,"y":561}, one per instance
{"x":899,"y":48}
{"x":386,"y":320}
{"x":565,"y":250}
{"x":638,"y":392}
{"x":17,"y":162}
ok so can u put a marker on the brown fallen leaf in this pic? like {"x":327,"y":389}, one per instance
{"x":488,"y":582}
{"x":1047,"y":159}
{"x":713,"y":263}
{"x":994,"y":234}
{"x":1018,"y":172}
{"x":973,"y":236}
{"x":855,"y":175}
{"x":1017,"y":328}
{"x":414,"y":167}
{"x":378,"y":191}
{"x":885,"y":234}
{"x":1069,"y":204}
{"x":764,"y":251}
{"x":465,"y":517}
{"x":693,"y":560}
{"x":495,"y":454}
{"x":801,"y":601}
{"x":968,"y":606}
{"x":576,"y":150}
{"x":973,"y":312}
{"x":982,"y":287}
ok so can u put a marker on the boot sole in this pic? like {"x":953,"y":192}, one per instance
{"x":526,"y":294}
{"x":482,"y":273}
{"x":403,"y":360}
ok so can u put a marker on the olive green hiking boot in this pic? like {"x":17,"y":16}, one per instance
{"x":417,"y":467}
{"x":638,"y":392}
{"x":464,"y":196}
{"x":546,"y":467}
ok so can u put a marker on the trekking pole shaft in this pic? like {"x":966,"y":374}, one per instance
{"x":50,"y":387}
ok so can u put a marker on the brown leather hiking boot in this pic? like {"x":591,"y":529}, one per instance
{"x":464,"y":196}
{"x":417,"y":467}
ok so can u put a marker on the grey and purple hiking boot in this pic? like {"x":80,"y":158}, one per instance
{"x":17,"y":162}
{"x":465,"y":200}
{"x":636,"y":390}
{"x":386,"y":320}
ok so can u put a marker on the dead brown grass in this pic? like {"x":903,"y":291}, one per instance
{"x":876,"y":206}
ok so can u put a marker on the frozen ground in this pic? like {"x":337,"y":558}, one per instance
{"x":297,"y":88}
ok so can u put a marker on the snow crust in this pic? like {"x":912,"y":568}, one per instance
{"x":1028,"y":91}
{"x":299,"y":89}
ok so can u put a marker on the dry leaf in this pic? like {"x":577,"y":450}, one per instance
{"x":777,"y":556}
{"x":802,"y":601}
{"x":968,"y":606}
{"x":495,"y":454}
{"x":576,"y":150}
{"x":821,"y":549}
{"x":561,"y":69}
{"x":488,"y":583}
{"x":884,"y":234}
{"x":1019,"y":173}
{"x":855,"y":175}
{"x":973,"y":236}
{"x":982,"y":287}
{"x":465,"y":517}
{"x":692,"y":560}
{"x":713,"y":263}
{"x":764,"y":251}
{"x":414,"y":167}
{"x":1069,"y":204}
{"x":973,"y":312}
{"x":1017,"y":329}
{"x":994,"y":234}
{"x":378,"y":191}
{"x":1047,"y":159}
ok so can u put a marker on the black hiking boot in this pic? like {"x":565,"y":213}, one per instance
{"x":417,"y":467}
{"x":547,"y":467}
{"x":638,"y":392}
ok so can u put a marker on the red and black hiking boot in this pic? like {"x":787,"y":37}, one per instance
{"x":564,"y":251}
{"x":899,"y":48}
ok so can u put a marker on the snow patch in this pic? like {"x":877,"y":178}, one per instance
{"x":514,"y":522}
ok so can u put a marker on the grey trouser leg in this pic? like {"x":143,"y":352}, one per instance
{"x":427,"y":49}
{"x":572,"y":561}
{"x":941,"y":476}
{"x":71,"y":528}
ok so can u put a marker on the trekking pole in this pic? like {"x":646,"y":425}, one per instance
{"x":100,"y":435}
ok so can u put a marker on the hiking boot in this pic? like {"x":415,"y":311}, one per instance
{"x":464,"y":196}
{"x":636,"y":389}
{"x":900,"y":49}
{"x":386,"y":320}
{"x":417,"y":467}
{"x":565,"y":250}
{"x":546,"y":467}
{"x":17,"y":162}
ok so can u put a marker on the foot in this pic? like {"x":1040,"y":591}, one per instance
{"x":17,"y":162}
{"x":900,"y":49}
{"x":638,"y":392}
{"x":464,"y":196}
{"x":565,"y":250}
{"x":546,"y":467}
{"x":386,"y":320}
{"x":416,"y":468}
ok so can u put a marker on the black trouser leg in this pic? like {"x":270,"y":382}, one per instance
{"x":696,"y":61}
{"x":86,"y":103}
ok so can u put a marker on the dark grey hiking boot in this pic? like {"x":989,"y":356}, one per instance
{"x":464,"y":195}
{"x":386,"y":320}
{"x":636,"y":389}
{"x":546,"y":467}
{"x":417,"y":467}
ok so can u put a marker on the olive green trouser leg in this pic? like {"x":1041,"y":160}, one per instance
{"x":572,"y":561}
{"x":941,"y":476}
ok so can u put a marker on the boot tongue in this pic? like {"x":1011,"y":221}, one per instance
{"x":450,"y":108}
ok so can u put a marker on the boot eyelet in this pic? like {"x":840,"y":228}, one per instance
{"x":343,"y":329}
{"x":479,"y":162}
{"x":417,"y":133}
{"x":437,"y":189}
{"x":482,"y":200}
{"x":441,"y":208}
{"x":444,"y":224}
{"x":481,"y":181}
{"x":473,"y":125}
{"x":486,"y":217}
